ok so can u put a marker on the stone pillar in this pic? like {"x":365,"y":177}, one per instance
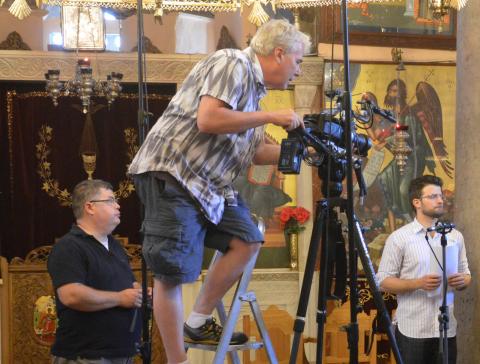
{"x":467,"y":176}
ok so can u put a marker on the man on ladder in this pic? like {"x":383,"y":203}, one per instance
{"x":211,"y":131}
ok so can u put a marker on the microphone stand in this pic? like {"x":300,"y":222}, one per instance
{"x":443,"y":317}
{"x":352,"y":330}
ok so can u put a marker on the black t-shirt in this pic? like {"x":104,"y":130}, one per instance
{"x":79,"y":258}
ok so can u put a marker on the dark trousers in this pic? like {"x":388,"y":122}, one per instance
{"x":59,"y":360}
{"x":424,"y":351}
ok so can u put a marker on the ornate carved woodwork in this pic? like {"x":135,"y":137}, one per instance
{"x":24,"y":282}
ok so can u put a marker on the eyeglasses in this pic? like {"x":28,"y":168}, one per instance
{"x":110,"y":201}
{"x":434,"y":196}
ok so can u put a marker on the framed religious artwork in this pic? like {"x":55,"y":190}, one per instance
{"x":422,"y":98}
{"x":83,"y":28}
{"x":402,"y":23}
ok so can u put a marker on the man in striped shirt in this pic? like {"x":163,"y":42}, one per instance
{"x":211,"y":131}
{"x":405,"y":270}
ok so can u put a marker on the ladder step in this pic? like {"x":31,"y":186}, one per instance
{"x":248,"y":297}
{"x":250,"y":345}
{"x":228,"y":321}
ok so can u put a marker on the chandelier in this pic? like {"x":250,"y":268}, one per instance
{"x":83,"y":85}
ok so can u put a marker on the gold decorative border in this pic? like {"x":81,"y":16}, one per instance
{"x":39,"y":255}
{"x":52,"y":186}
{"x":295,"y":4}
{"x":172,"y":5}
{"x":10,"y":96}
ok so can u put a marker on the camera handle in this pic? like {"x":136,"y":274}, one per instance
{"x":331,"y":150}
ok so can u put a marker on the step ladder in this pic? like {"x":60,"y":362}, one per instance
{"x":229,"y":321}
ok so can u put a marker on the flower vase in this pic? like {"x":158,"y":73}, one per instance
{"x":292,"y":242}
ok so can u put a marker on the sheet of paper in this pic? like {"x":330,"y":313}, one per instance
{"x":451,"y":255}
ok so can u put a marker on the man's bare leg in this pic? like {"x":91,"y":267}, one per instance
{"x":168,"y":311}
{"x":223,"y":275}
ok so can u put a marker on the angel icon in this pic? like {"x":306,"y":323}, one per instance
{"x":425,"y":127}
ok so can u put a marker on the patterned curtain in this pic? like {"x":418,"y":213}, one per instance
{"x":46,"y":150}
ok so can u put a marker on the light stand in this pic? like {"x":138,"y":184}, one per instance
{"x":353,"y":225}
{"x":352,"y":331}
{"x":143,"y":127}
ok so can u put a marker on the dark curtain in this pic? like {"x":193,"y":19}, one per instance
{"x":40,"y":161}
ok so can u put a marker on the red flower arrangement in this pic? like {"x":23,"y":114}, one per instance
{"x":292,"y":219}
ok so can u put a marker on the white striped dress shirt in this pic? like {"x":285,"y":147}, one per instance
{"x":407,"y":256}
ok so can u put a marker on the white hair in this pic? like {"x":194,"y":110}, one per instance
{"x":279,"y":33}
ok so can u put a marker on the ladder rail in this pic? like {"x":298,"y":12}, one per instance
{"x":229,"y":320}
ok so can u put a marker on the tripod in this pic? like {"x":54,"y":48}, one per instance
{"x":324,"y":210}
{"x":357,"y":246}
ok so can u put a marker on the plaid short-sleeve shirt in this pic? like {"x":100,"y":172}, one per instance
{"x":206,"y":164}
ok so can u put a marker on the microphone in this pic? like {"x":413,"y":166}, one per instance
{"x":441,"y":227}
{"x":386,"y":114}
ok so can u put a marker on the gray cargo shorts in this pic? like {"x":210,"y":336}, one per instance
{"x":175,"y":230}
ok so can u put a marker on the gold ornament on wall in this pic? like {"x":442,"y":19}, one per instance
{"x":258,"y":15}
{"x":89,"y":163}
{"x":52,"y":186}
{"x":20,"y":9}
{"x":14,"y":42}
{"x":88,"y":141}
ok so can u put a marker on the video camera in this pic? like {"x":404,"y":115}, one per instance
{"x":325,"y":133}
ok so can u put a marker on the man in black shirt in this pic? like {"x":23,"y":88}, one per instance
{"x":96,"y":292}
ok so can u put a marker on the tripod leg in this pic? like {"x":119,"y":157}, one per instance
{"x":299,"y":324}
{"x":377,"y":296}
{"x":331,"y":236}
{"x":322,"y":291}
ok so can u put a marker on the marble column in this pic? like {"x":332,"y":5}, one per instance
{"x":467,"y":176}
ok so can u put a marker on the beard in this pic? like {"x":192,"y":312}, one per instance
{"x":434,"y":214}
{"x":391,"y":101}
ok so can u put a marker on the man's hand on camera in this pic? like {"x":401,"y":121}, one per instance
{"x":287,"y":119}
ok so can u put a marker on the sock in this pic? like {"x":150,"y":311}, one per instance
{"x":195,"y":320}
